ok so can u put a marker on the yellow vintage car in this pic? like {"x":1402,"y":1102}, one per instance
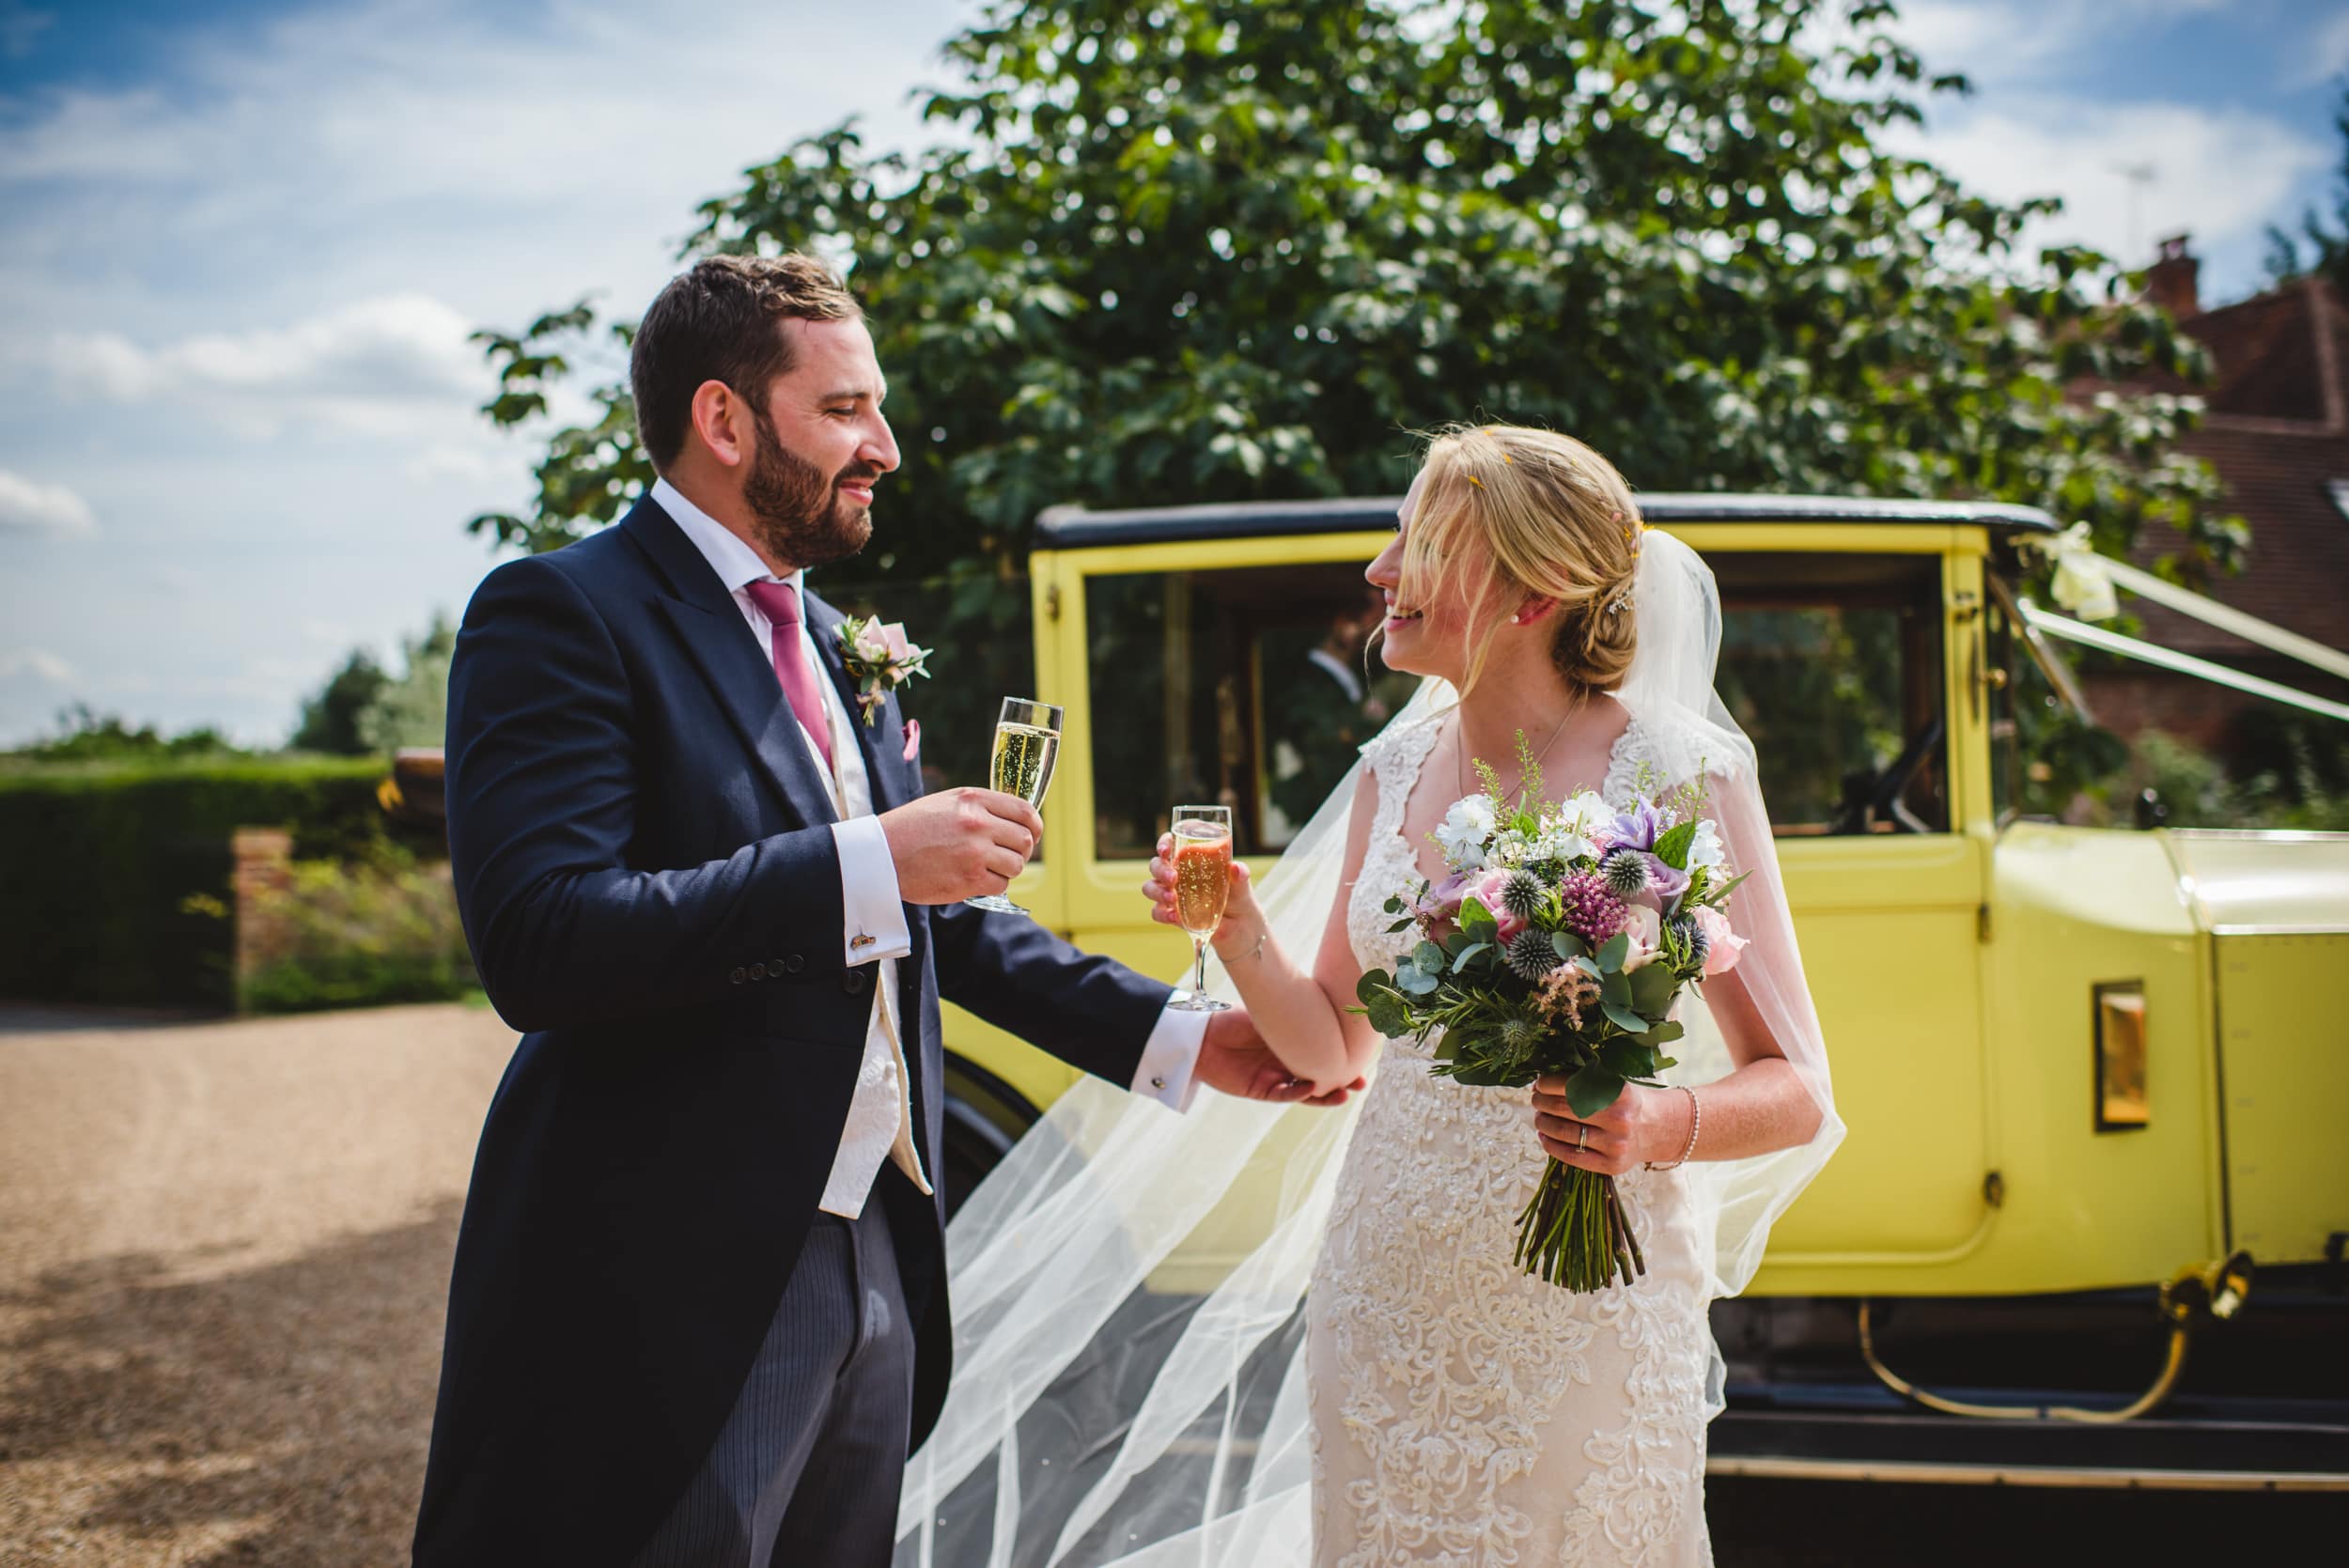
{"x":2092,"y":1074}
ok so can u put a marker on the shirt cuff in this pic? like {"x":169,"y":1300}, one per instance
{"x":876,"y":915}
{"x":1170,"y":1059}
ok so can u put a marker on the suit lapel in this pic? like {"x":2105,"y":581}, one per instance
{"x":876,"y":742}
{"x":711,"y":627}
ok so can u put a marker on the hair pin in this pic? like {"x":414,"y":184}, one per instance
{"x":1475,"y":481}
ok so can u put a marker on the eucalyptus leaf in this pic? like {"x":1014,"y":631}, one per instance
{"x":1568,"y":945}
{"x":1663,"y":1033}
{"x":1617,"y":948}
{"x":1473,"y":915}
{"x":1593,"y":1090}
{"x":1428,"y":956}
{"x":1651,"y":988}
{"x":1615,"y":990}
{"x":1460,"y":959}
{"x":1628,"y":1058}
{"x":1671,"y":847}
{"x":1625,"y":1019}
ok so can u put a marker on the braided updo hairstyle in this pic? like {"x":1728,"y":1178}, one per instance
{"x":1531,"y":512}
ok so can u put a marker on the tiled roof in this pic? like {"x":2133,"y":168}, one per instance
{"x":2277,"y":441}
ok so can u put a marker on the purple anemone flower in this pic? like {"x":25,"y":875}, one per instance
{"x":1637,"y":828}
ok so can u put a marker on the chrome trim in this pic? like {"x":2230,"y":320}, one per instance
{"x":2082,"y":1478}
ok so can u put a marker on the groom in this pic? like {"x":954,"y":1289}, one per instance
{"x":698,"y":1314}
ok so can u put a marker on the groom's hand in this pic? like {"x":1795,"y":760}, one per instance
{"x":959,"y":842}
{"x":1235,"y":1061}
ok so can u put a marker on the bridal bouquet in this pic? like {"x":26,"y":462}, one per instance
{"x":1558,"y":943}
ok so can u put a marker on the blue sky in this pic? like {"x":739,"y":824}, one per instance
{"x":242,"y":245}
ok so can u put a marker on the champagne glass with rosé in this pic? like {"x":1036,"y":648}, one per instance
{"x":1203,"y":884}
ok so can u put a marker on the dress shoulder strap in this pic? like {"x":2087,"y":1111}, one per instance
{"x":1395,"y":755}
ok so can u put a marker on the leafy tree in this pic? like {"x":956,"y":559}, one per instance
{"x":86,"y":736}
{"x":330,"y":720}
{"x":413,"y":709}
{"x":1201,"y":250}
{"x":2327,"y":244}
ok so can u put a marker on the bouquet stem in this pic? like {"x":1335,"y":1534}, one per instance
{"x":1576,"y":1234}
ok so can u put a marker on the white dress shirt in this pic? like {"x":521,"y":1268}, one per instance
{"x":880,"y":1119}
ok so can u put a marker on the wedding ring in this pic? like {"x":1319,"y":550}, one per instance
{"x":1581,"y":1135}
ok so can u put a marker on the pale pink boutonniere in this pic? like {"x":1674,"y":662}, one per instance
{"x":880,"y":659}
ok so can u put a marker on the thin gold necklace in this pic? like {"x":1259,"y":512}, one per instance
{"x":1459,"y":746}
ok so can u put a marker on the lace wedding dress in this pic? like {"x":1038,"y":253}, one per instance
{"x":1462,"y":1413}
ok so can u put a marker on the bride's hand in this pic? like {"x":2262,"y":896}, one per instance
{"x":1643,"y":1124}
{"x":1240,"y":907}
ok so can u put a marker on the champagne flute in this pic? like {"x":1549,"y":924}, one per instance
{"x":1027,"y":744}
{"x":1203,"y":884}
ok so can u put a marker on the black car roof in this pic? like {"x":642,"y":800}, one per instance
{"x":1068,"y":527}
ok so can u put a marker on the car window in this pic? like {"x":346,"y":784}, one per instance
{"x":1833,"y":665}
{"x":1246,"y":688}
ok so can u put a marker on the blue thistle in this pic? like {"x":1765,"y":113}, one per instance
{"x":1626,"y":872}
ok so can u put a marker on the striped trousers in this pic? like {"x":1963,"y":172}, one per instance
{"x":807,"y":1469}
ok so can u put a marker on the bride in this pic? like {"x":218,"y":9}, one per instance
{"x":1439,"y":1406}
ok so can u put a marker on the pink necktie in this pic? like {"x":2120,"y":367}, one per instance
{"x":779,"y":603}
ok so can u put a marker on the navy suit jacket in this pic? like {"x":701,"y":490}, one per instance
{"x":644,"y":859}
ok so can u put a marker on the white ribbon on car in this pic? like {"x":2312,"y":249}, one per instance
{"x":2085,"y":580}
{"x":2169,"y":658}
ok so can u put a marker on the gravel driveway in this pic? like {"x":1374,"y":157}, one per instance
{"x":224,"y":1259}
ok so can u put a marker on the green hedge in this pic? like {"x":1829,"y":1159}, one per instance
{"x":97,"y":863}
{"x":363,"y":935}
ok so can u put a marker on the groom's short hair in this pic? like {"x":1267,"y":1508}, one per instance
{"x":716,"y":322}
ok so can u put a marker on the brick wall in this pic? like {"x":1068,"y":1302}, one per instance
{"x":260,"y":877}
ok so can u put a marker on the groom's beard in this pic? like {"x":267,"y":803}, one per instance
{"x":800,"y":515}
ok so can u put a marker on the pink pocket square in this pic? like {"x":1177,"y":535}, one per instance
{"x":913,"y":738}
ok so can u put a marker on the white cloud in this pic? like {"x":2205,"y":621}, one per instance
{"x":36,"y":662}
{"x":394,"y":347}
{"x":484,"y":464}
{"x":31,"y":507}
{"x":2326,"y":55}
{"x":2218,"y":175}
{"x":1999,"y":41}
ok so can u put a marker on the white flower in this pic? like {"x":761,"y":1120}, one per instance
{"x":1463,"y":831}
{"x":1510,"y":848}
{"x":1705,"y":848}
{"x":1585,"y":811}
{"x":1562,"y":841}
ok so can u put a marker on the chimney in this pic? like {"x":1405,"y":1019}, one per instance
{"x":2173,"y":281}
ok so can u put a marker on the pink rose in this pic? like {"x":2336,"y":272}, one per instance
{"x":1486,"y":887}
{"x":1643,"y":926}
{"x":893,"y":641}
{"x":1722,"y":945}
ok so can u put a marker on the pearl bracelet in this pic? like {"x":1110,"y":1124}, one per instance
{"x":1696,"y":1120}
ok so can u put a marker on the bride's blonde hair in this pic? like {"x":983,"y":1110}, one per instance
{"x":1516,"y":512}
